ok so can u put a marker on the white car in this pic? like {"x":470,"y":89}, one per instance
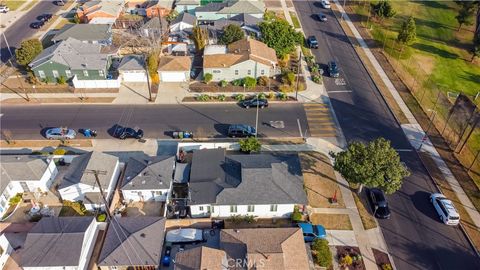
{"x":445,"y":209}
{"x":325,"y":3}
{"x":4,"y":9}
{"x":60,"y":134}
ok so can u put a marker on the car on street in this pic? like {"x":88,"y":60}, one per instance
{"x":241,"y":131}
{"x":445,"y":209}
{"x":127,"y":132}
{"x":60,"y":134}
{"x":325,"y":3}
{"x":333,"y":69}
{"x":60,"y":2}
{"x":312,"y":42}
{"x":312,"y":232}
{"x":254,"y":102}
{"x":4,"y":9}
{"x":379,"y":203}
{"x":44,"y":17}
{"x":37,"y":25}
{"x":322,"y":17}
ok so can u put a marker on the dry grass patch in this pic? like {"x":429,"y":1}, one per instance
{"x":44,"y":143}
{"x":368,"y":220}
{"x":332,"y":221}
{"x":319,"y":180}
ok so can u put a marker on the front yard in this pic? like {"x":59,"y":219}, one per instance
{"x":332,"y":221}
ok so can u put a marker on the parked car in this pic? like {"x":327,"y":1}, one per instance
{"x":322,"y":17}
{"x":60,"y":133}
{"x":325,"y":3}
{"x":333,"y":69}
{"x":4,"y":9}
{"x":312,"y":232}
{"x":127,"y":132}
{"x":241,"y":131}
{"x":379,"y":203}
{"x":60,"y":2}
{"x":312,"y":42}
{"x":167,"y":257}
{"x":37,"y":25}
{"x":254,"y":102}
{"x":44,"y":17}
{"x":445,"y":209}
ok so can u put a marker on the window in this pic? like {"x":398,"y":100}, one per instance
{"x":233,"y":209}
{"x":55,"y":73}
{"x":6,"y":194}
{"x":262,"y":72}
{"x":273,"y":208}
{"x":236,"y":71}
{"x":216,"y":71}
{"x":200,"y":208}
{"x":101,"y":73}
{"x":158,"y":192}
{"x":139,"y":193}
{"x":208,"y":209}
{"x":41,"y":73}
{"x":249,"y":72}
{"x":68,"y":73}
{"x":85,"y":73}
{"x":2,"y":203}
{"x":251,"y":208}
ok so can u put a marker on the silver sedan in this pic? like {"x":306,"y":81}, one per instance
{"x":60,"y":133}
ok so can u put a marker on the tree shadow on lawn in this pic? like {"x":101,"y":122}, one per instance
{"x":434,"y":4}
{"x":470,"y":76}
{"x":435,"y":50}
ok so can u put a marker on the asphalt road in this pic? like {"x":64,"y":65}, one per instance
{"x":157,"y":121}
{"x":415,"y":237}
{"x":20,"y":30}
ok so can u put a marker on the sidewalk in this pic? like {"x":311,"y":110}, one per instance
{"x":9,"y":18}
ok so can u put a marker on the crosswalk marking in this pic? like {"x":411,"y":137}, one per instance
{"x":319,"y":118}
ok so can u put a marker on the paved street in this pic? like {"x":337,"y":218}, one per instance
{"x":26,"y":122}
{"x":415,"y":237}
{"x":21,"y":30}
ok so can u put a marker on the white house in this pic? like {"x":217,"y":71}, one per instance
{"x":132,"y":69}
{"x":148,"y":179}
{"x":184,"y":22}
{"x":80,"y":184}
{"x":22,"y":174}
{"x":174,"y":68}
{"x":261,"y":185}
{"x":60,"y":243}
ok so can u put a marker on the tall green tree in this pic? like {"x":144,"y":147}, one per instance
{"x":465,"y":15}
{"x":231,"y":33}
{"x":199,"y":37}
{"x":29,"y":49}
{"x":408,"y":32}
{"x":375,"y":164}
{"x":384,"y":9}
{"x":281,"y":36}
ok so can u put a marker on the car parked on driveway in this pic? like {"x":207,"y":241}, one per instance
{"x":379,"y":203}
{"x":254,"y":102}
{"x":312,"y":232}
{"x":312,"y":42}
{"x":37,"y":25}
{"x":4,"y":9}
{"x":241,"y":131}
{"x":445,"y":209}
{"x":333,"y":70}
{"x":60,"y":134}
{"x":322,"y":17}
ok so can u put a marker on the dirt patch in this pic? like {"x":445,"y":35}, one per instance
{"x":319,"y":181}
{"x":381,"y":258}
{"x":58,"y":100}
{"x":332,"y":221}
{"x":260,"y":223}
{"x":44,"y":143}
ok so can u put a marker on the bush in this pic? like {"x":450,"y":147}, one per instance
{"x":223,"y":83}
{"x":285,"y":88}
{"x":47,"y":80}
{"x":222,"y":97}
{"x":317,"y":79}
{"x":239,"y":97}
{"x":262,"y":96}
{"x":288,"y":78}
{"x":322,"y":254}
{"x":263,"y":80}
{"x":59,"y":152}
{"x":296,"y":215}
{"x":237,"y":82}
{"x":282,"y":96}
{"x":101,"y":218}
{"x":40,"y":153}
{"x":250,"y":82}
{"x":207,"y":77}
{"x":387,"y":266}
{"x":249,"y":145}
{"x":61,"y":80}
{"x":346,"y":260}
{"x":15,"y":199}
{"x":203,"y":97}
{"x":271,"y":95}
{"x":309,"y":59}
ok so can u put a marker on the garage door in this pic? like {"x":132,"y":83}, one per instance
{"x":173,"y":77}
{"x":134,"y":77}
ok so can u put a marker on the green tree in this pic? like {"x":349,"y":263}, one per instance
{"x":207,"y":77}
{"x":280,"y":36}
{"x":249,"y":145}
{"x":408,"y":32}
{"x":384,"y":9}
{"x":249,"y":82}
{"x":375,"y":164}
{"x":29,"y":49}
{"x":323,"y":255}
{"x":476,"y":47}
{"x":465,"y":15}
{"x":172,"y":16}
{"x":199,"y":37}
{"x":231,"y":33}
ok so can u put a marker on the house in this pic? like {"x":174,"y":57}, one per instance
{"x":71,"y":58}
{"x":259,"y":248}
{"x":59,"y":243}
{"x":155,"y":28}
{"x":174,"y":68}
{"x":247,"y":22}
{"x":12,"y":240}
{"x":100,"y":11}
{"x":183,"y":22}
{"x":21,"y":174}
{"x":246,"y":57}
{"x":87,"y":33}
{"x":186,"y":6}
{"x":148,"y":179}
{"x":261,"y":185}
{"x":133,"y":243}
{"x":132,"y":69}
{"x":225,"y":10}
{"x":149,"y":8}
{"x":80,"y":183}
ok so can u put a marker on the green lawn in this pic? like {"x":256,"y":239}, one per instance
{"x":295,"y":21}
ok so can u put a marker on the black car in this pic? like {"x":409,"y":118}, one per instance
{"x":254,"y":102}
{"x":379,"y":203}
{"x":322,"y":17}
{"x":312,"y":42}
{"x":44,"y":17}
{"x":241,"y":131}
{"x":333,"y":69}
{"x":127,"y":132}
{"x":37,"y":25}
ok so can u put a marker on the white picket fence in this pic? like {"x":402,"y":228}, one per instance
{"x":96,"y":83}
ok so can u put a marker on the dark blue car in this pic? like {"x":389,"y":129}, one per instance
{"x":167,"y":255}
{"x":312,"y":232}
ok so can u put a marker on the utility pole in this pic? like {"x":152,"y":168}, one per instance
{"x":96,"y":173}
{"x":299,"y":66}
{"x":256,"y":119}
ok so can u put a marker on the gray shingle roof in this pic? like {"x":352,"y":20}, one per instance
{"x":90,"y":161}
{"x":132,"y":62}
{"x":245,"y":179}
{"x":21,"y":168}
{"x":84,"y":32}
{"x":186,"y":18}
{"x":146,"y":174}
{"x":201,"y":258}
{"x":250,"y":7}
{"x":182,"y":173}
{"x":55,"y":241}
{"x":74,"y":54}
{"x":211,"y":7}
{"x":133,"y":241}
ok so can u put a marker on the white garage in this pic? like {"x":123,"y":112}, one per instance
{"x":174,"y":68}
{"x":132,"y":69}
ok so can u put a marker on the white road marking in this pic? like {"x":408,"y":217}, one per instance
{"x":404,"y":150}
{"x":340,"y":81}
{"x":340,"y":91}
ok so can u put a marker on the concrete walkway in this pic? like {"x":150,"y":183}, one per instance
{"x":413,"y":130}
